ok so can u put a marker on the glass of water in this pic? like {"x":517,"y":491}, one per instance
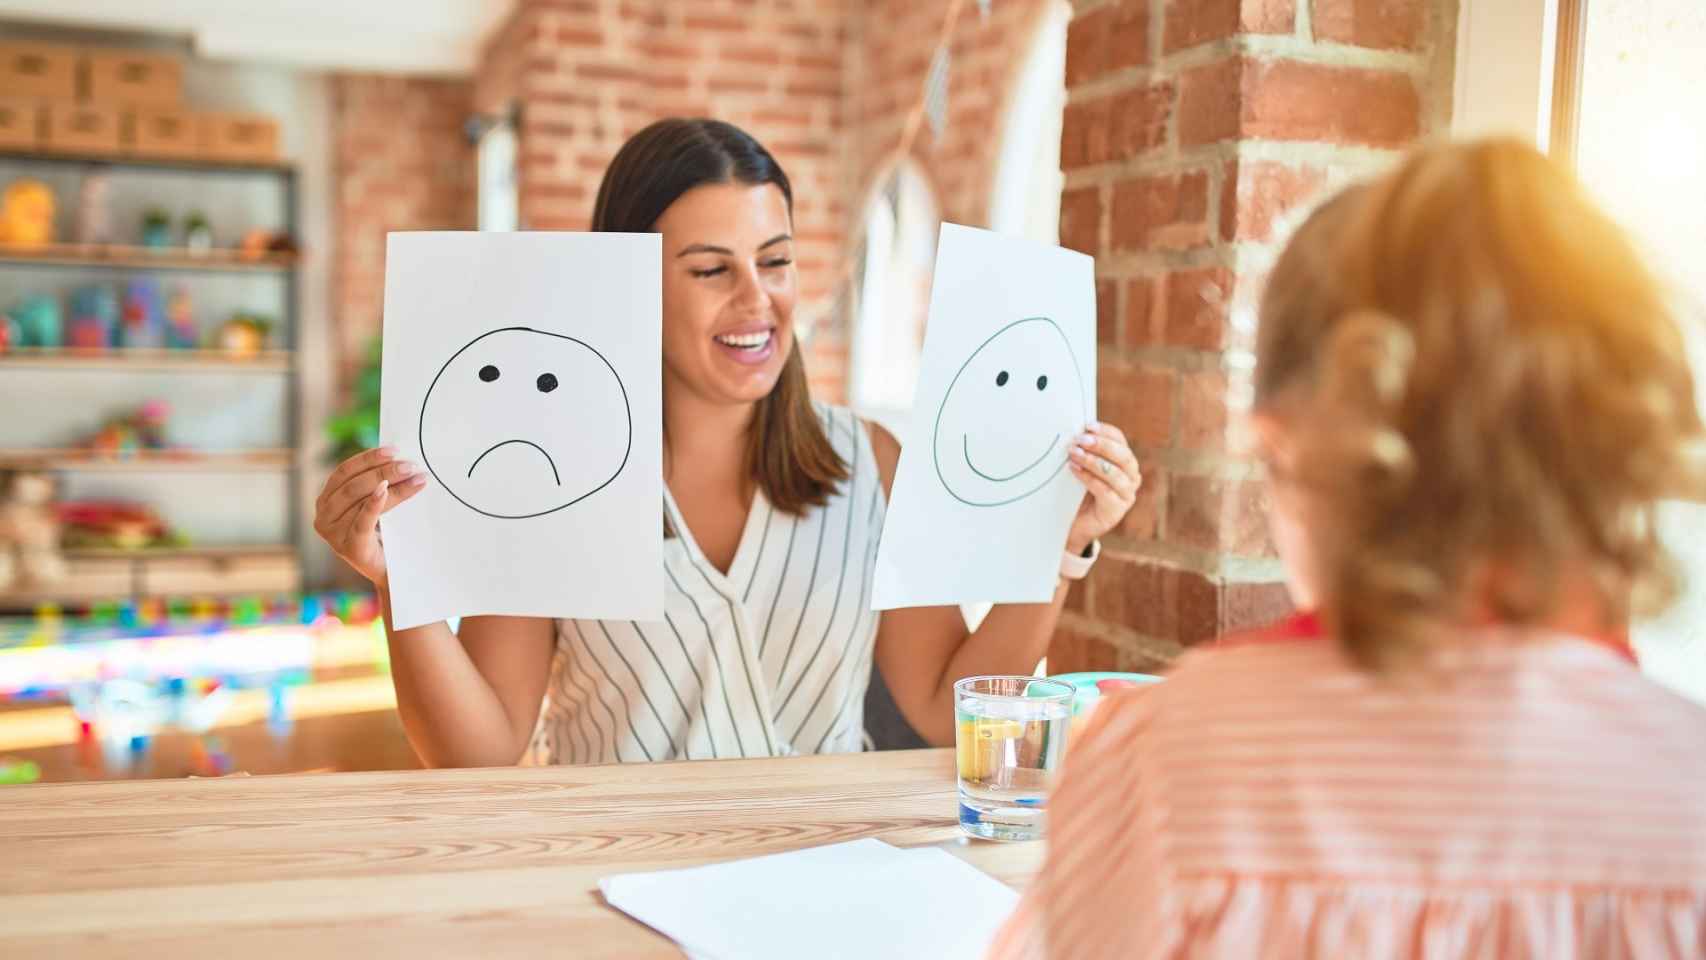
{"x":1010,"y":738}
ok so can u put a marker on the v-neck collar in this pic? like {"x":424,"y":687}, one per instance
{"x":756,"y":528}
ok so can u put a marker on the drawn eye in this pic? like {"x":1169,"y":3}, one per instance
{"x":1042,"y":383}
{"x":488,"y":373}
{"x":1001,"y":379}
{"x":547,"y":382}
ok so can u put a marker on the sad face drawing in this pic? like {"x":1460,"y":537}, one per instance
{"x":521,"y":423}
{"x":1009,"y":415}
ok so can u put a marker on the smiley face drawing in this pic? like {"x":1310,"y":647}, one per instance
{"x":507,"y":437}
{"x":1009,"y":415}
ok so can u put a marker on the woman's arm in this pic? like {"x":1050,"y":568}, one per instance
{"x":465,"y":701}
{"x":923,"y":651}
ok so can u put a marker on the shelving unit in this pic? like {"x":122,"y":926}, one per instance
{"x":196,"y":571}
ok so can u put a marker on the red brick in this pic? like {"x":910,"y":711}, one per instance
{"x":1107,"y":313}
{"x":1139,"y":120}
{"x":1137,"y":400}
{"x":697,"y":22}
{"x":579,"y":37}
{"x":1257,"y":193}
{"x":1086,"y":133}
{"x":1209,"y":100}
{"x":1246,"y":606}
{"x":1197,"y":308}
{"x":1081,"y":220}
{"x":764,"y":56}
{"x":1131,"y":592}
{"x":1198,"y":616}
{"x":1193,"y":22}
{"x":1203,"y":414}
{"x":1142,"y":316}
{"x":1381,"y":24}
{"x":1144,"y":520}
{"x":1107,"y":39}
{"x":1288,"y":100}
{"x":1168,"y":211}
{"x":1219,"y":515}
{"x":1075,"y":649}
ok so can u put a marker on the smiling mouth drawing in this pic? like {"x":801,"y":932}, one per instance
{"x":965,"y":443}
{"x":553,"y":464}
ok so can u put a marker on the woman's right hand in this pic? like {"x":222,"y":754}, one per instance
{"x":346,"y":515}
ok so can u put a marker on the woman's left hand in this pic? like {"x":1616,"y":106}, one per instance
{"x":1102,"y":461}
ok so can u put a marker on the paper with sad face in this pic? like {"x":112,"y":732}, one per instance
{"x":982,"y":498}
{"x":522,"y":371}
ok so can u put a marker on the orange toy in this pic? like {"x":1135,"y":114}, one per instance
{"x":26,"y":214}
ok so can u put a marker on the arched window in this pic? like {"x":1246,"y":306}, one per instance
{"x":1026,"y":196}
{"x":892,"y":290}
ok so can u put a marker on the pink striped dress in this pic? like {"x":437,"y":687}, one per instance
{"x":1524,"y":796}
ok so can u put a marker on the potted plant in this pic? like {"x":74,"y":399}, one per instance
{"x":198,"y":235}
{"x":356,"y":427}
{"x":156,"y":229}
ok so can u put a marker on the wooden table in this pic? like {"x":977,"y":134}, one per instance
{"x":496,"y":862}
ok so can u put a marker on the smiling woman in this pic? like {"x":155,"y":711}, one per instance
{"x":773,"y":505}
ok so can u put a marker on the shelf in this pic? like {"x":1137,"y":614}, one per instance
{"x":153,"y":361}
{"x":121,"y":257}
{"x":147,"y":163}
{"x":209,"y":552}
{"x":149,"y":461}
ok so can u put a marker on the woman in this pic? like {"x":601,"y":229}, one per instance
{"x":773,"y":509}
{"x":1469,"y":395}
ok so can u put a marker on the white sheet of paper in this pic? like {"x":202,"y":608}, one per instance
{"x":521,"y":370}
{"x":859,"y":899}
{"x":982,"y":498}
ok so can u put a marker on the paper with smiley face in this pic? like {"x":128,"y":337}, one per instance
{"x":982,"y":499}
{"x":521,"y":371}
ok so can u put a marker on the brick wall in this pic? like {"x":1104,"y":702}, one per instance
{"x":590,"y":73}
{"x":1193,"y":127}
{"x":400,"y":162}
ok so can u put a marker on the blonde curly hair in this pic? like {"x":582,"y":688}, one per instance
{"x":1480,"y":376}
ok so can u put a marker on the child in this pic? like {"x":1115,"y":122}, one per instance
{"x":1469,"y":394}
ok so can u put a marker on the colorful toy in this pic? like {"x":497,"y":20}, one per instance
{"x":245,"y":334}
{"x":29,"y":531}
{"x":142,"y":429}
{"x":258,"y":244}
{"x":114,"y":525}
{"x":26,"y":214}
{"x":156,"y":229}
{"x":39,"y":322}
{"x":94,"y":211}
{"x":94,"y":318}
{"x":144,"y":323}
{"x":181,"y":333}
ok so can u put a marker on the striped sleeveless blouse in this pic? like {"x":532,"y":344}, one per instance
{"x":771,"y":659}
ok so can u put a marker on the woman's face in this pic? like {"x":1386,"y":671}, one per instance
{"x":728,"y":290}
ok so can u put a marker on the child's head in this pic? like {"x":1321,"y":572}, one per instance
{"x":1470,"y":393}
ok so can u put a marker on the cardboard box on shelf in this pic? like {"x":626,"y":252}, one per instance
{"x":20,"y":123}
{"x":133,"y":79}
{"x":239,"y":137}
{"x":82,"y":128}
{"x":153,"y":132}
{"x":38,"y":70}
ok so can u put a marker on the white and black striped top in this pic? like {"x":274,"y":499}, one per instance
{"x":771,"y":659}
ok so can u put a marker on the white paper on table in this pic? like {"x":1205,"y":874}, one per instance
{"x":522,"y":371}
{"x":859,"y":899}
{"x":982,"y":499}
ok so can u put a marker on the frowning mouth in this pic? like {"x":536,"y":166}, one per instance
{"x":965,"y":442}
{"x":552,"y":463}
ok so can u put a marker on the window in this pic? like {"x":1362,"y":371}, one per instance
{"x":1636,"y":139}
{"x":892,"y":287}
{"x":498,"y":200}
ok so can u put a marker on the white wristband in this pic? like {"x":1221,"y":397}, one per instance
{"x":1075,"y":567}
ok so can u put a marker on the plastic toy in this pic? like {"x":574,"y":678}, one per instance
{"x":94,"y":318}
{"x":142,"y":429}
{"x":26,"y":214}
{"x":29,"y":531}
{"x":39,"y":322}
{"x":115,"y":525}
{"x":181,"y":333}
{"x":94,"y":211}
{"x":143,"y":321}
{"x":198,"y":235}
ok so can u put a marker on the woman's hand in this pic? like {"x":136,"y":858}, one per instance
{"x":346,"y":515}
{"x":1102,"y":461}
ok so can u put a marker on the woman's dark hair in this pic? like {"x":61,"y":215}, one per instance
{"x":788,"y":452}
